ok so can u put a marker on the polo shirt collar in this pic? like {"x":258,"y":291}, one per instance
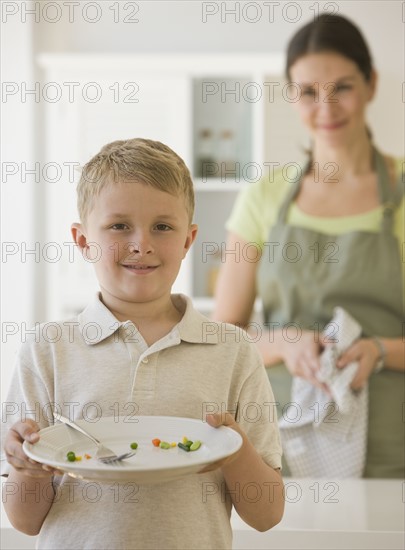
{"x":97,"y":323}
{"x":194,"y":327}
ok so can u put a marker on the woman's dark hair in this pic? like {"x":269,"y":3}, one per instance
{"x":332,"y":33}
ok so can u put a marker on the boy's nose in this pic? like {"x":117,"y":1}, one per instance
{"x":141,"y":248}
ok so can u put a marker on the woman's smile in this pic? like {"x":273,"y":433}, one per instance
{"x":331,"y":125}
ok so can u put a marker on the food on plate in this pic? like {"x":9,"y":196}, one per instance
{"x":186,"y":445}
{"x":72,"y":457}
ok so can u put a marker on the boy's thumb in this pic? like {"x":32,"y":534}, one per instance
{"x":213,"y":420}
{"x":30,"y":430}
{"x":33,"y":436}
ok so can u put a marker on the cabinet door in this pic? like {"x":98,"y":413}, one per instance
{"x":141,"y":106}
{"x":285,"y":138}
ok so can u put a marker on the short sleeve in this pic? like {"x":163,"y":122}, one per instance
{"x":27,"y":398}
{"x":256,"y":209}
{"x":257,"y":414}
{"x":247,"y":219}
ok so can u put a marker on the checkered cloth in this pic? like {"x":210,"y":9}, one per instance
{"x":323,"y":435}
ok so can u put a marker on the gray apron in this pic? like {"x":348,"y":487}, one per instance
{"x":310,"y":273}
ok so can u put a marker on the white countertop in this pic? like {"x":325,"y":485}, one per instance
{"x":340,"y":514}
{"x":350,"y":514}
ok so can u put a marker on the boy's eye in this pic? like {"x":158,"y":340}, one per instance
{"x":119,"y":226}
{"x":342,"y":87}
{"x":162,"y":227}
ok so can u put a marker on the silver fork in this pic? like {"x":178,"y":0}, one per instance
{"x":105,"y":455}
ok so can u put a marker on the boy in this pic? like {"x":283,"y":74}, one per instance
{"x":136,"y":201}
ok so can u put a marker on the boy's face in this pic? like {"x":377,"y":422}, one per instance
{"x":142,"y":235}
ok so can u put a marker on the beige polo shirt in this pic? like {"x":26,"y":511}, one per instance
{"x":96,"y":365}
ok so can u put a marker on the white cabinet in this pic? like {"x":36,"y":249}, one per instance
{"x":225,"y":115}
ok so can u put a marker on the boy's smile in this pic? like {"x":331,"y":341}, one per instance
{"x":142,"y":235}
{"x":140,"y":269}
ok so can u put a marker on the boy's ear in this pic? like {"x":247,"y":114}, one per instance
{"x":191,"y":235}
{"x":78,"y":235}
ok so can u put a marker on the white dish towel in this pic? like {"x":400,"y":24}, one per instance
{"x":323,"y":435}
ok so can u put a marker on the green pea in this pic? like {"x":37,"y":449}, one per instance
{"x":196,"y":445}
{"x":134,"y":445}
{"x":71,"y":456}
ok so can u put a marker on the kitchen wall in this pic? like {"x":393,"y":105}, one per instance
{"x":234,"y":27}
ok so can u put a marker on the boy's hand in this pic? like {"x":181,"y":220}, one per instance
{"x":17,"y":434}
{"x":223,"y":419}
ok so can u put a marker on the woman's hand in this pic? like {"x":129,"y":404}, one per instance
{"x":302,"y":357}
{"x":366,"y":353}
{"x":17,"y":434}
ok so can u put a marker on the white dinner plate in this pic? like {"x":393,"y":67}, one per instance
{"x":150,"y":464}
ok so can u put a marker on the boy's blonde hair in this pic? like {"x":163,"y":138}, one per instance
{"x":144,"y":160}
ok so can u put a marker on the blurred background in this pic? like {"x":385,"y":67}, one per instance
{"x":204,"y":77}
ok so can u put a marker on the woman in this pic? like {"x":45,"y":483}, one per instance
{"x":344,"y":214}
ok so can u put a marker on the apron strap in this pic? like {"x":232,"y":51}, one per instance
{"x":292,"y":192}
{"x":390,"y":196}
